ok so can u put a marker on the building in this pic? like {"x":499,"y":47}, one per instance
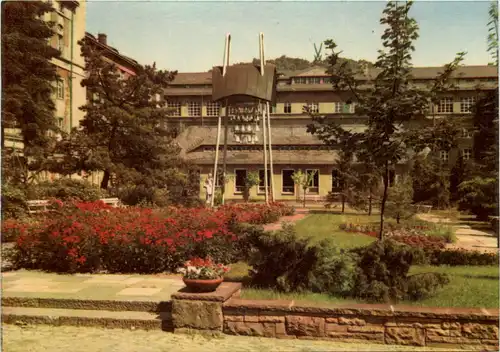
{"x":69,"y":95}
{"x":194,"y":114}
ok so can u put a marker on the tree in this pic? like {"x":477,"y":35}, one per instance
{"x":486,"y":132}
{"x":431,"y":181}
{"x":400,"y":199}
{"x":304,"y":181}
{"x":28,"y":80}
{"x":251,"y":180}
{"x":460,"y":172}
{"x":123,"y":133}
{"x":479,"y":195}
{"x":391,"y":100}
{"x":493,"y":32}
{"x":318,"y":56}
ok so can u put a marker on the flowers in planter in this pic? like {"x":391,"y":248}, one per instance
{"x":203,"y":269}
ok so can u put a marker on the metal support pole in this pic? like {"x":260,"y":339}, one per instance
{"x":224,"y":155}
{"x":270,"y":151}
{"x":265,"y":154}
{"x":216,"y":161}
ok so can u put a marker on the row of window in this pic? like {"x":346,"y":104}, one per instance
{"x":466,"y":154}
{"x":311,"y":80}
{"x":444,"y":106}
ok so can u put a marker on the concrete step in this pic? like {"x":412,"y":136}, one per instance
{"x":94,"y":318}
{"x":88,"y":304}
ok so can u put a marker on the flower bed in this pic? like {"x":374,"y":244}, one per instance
{"x":91,"y":237}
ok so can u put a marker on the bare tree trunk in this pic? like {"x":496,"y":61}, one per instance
{"x":105,"y":179}
{"x":343,"y":202}
{"x":384,"y":199}
{"x":370,"y":203}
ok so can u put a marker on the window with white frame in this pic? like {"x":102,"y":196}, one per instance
{"x":443,"y":155}
{"x":466,"y":133}
{"x":194,"y":108}
{"x":213,"y":109}
{"x":314,"y":185}
{"x":287,"y":181}
{"x":313,"y":107}
{"x":466,"y":104}
{"x":343,"y":108}
{"x":174,"y":107}
{"x":300,"y":80}
{"x":240,"y":176}
{"x":287,"y":108}
{"x":445,"y":105}
{"x":466,"y":153}
{"x":262,"y":188}
{"x":60,"y":89}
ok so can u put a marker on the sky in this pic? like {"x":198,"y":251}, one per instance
{"x":189,"y":36}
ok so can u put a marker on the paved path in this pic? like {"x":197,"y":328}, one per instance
{"x":85,"y":286}
{"x":467,"y":238}
{"x":299,"y":215}
{"x":42,"y":338}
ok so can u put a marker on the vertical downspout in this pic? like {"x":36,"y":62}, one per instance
{"x":71,"y":72}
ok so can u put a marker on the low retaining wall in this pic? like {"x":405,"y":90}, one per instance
{"x":223,"y":311}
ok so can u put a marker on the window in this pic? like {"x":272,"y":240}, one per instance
{"x":443,"y":155}
{"x":313,"y":107}
{"x":262,"y":188}
{"x":336,"y":181}
{"x":343,"y":108}
{"x":466,"y":153}
{"x":326,"y":80}
{"x":466,"y":133}
{"x":466,"y":104}
{"x":60,"y":44}
{"x":445,"y":105}
{"x":314,"y":80}
{"x":287,"y":181}
{"x":287,"y":108}
{"x":60,"y":122}
{"x":314,"y":185}
{"x":60,"y":89}
{"x":213,"y":109}
{"x":239,"y":180}
{"x":300,"y":80}
{"x":175,"y":108}
{"x":194,"y":108}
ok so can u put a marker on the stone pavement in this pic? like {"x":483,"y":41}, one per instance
{"x":467,"y":238}
{"x":33,"y":284}
{"x":38,"y":338}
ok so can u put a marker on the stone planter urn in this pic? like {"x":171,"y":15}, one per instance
{"x":199,"y":286}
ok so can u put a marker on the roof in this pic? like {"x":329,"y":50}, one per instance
{"x":196,"y":78}
{"x":194,"y":137}
{"x":110,"y":50}
{"x":280,"y":157}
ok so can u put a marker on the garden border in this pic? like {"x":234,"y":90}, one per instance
{"x":224,"y":312}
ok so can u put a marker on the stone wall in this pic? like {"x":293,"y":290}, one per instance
{"x":434,"y":327}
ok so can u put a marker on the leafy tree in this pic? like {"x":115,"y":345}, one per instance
{"x":431,"y":181}
{"x":28,"y":80}
{"x":366,"y":190}
{"x":251,"y":180}
{"x":493,"y":32}
{"x":390,"y":101}
{"x":123,"y":133}
{"x":479,"y":196}
{"x":460,"y":172}
{"x":486,"y":132}
{"x":304,"y":181}
{"x":400,"y":199}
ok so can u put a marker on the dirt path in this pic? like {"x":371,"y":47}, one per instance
{"x":467,"y":238}
{"x":299,"y":215}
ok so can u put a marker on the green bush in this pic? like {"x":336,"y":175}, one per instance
{"x":455,"y":257}
{"x":382,"y":274}
{"x":67,"y":188}
{"x":13,"y":201}
{"x":479,"y":196}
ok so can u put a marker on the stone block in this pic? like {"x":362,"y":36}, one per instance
{"x":450,"y":325}
{"x":351,"y":336}
{"x":351,"y":321}
{"x":480,"y":331}
{"x":335,"y":328}
{"x":280,"y":329}
{"x":202,"y":315}
{"x":453,"y":340}
{"x":305,"y":326}
{"x":405,"y":336}
{"x":251,"y":318}
{"x":250,"y":329}
{"x":366,"y":329}
{"x":233,"y":317}
{"x":271,"y":319}
{"x":332,"y":320}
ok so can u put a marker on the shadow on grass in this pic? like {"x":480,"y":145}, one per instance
{"x":481,"y":277}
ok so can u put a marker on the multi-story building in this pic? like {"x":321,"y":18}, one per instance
{"x":69,"y":95}
{"x":294,"y":148}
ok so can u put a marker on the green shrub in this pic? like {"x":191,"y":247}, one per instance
{"x":67,"y":188}
{"x":382,"y":274}
{"x":455,"y":257}
{"x":13,"y":201}
{"x":479,"y":196}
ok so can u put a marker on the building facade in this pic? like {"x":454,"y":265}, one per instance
{"x":195,"y":116}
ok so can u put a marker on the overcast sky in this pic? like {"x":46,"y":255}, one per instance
{"x":189,"y":36}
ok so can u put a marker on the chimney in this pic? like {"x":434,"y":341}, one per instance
{"x":102,"y":38}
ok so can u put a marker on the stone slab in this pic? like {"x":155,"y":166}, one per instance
{"x":138,"y":291}
{"x":221,"y":294}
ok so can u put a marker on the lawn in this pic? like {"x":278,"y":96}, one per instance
{"x":470,"y":286}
